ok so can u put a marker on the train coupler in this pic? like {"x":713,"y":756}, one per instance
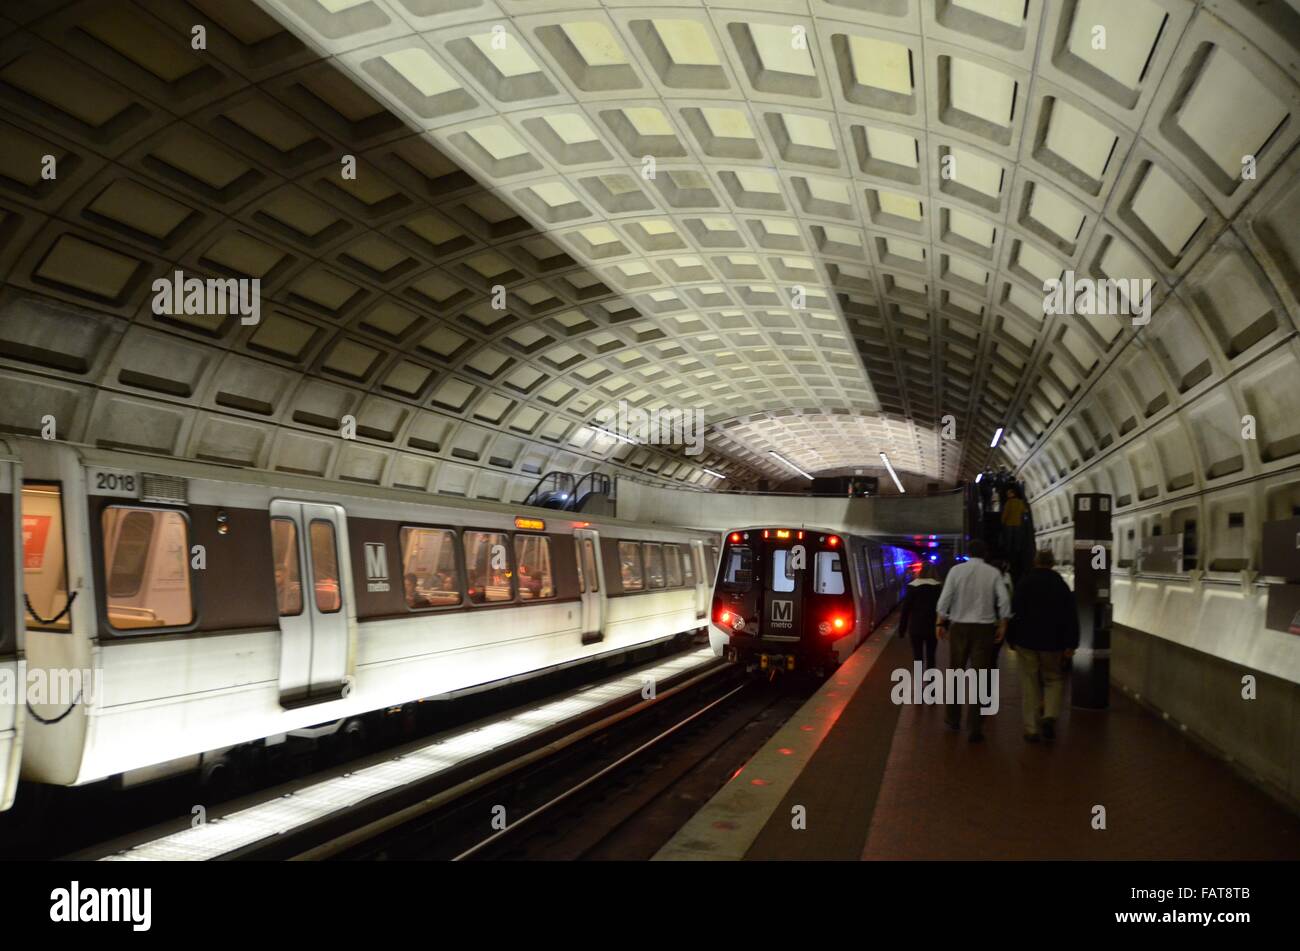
{"x":775,"y":663}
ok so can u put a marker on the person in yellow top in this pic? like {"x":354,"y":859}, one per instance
{"x":1013,"y":516}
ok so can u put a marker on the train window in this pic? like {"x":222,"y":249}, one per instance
{"x":45,"y":575}
{"x":589,"y":558}
{"x":288,"y":572}
{"x":629,"y":561}
{"x":829,"y":579}
{"x":533,"y":555}
{"x":688,"y":566}
{"x":429,"y":568}
{"x":740,"y":567}
{"x":146,"y":564}
{"x":673,"y":566}
{"x":130,"y":552}
{"x":654,"y":565}
{"x":487,"y":567}
{"x":782,"y":573}
{"x":876,"y":569}
{"x":325,"y":566}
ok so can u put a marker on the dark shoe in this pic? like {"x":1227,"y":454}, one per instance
{"x":1031,"y":737}
{"x":977,"y":737}
{"x":1049,"y":729}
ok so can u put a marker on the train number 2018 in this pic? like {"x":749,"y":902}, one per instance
{"x":115,"y":481}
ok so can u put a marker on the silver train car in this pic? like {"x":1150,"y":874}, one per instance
{"x":157,"y":612}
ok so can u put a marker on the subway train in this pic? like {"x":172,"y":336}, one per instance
{"x":158,"y":612}
{"x":789,"y":599}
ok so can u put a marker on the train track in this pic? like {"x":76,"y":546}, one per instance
{"x":639,"y":803}
{"x":618,"y":792}
{"x":613,"y":782}
{"x":295,"y":819}
{"x":502,"y":799}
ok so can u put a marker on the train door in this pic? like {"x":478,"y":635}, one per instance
{"x":12,"y":668}
{"x":591,"y":582}
{"x":703,"y":579}
{"x":314,"y":588}
{"x":783,"y":590}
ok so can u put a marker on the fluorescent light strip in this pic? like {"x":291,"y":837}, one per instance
{"x":619,"y":436}
{"x":716,"y":475}
{"x":978,"y":477}
{"x":892,"y":474}
{"x":277,"y":816}
{"x":997,"y":437}
{"x":782,"y":459}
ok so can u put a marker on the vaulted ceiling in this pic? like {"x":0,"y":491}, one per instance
{"x":825,"y":224}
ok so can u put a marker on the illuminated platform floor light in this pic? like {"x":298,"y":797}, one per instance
{"x":310,"y":803}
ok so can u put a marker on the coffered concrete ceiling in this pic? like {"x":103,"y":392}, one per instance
{"x":825,"y":224}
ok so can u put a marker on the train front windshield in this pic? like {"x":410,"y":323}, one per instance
{"x":738,"y":569}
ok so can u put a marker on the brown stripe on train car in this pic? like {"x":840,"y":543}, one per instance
{"x":381,"y":603}
{"x":8,"y":636}
{"x":614,"y":567}
{"x":236,"y":591}
{"x":373,"y":605}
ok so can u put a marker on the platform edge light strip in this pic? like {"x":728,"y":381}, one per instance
{"x":277,"y":816}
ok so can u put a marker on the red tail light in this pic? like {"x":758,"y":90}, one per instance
{"x":836,"y":625}
{"x":724,"y":617}
{"x":735,"y":537}
{"x":833,"y":540}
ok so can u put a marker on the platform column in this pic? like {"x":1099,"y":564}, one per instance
{"x":1090,"y":676}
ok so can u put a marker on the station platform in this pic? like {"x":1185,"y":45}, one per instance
{"x":855,"y":776}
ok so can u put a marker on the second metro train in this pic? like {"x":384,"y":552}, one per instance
{"x":803,"y":598}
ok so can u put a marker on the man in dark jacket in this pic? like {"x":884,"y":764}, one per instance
{"x":917,"y":615}
{"x":1044,"y":632}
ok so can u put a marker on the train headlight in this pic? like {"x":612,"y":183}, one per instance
{"x":738,"y":624}
{"x":824,"y":627}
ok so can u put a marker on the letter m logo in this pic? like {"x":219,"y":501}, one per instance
{"x":783,"y":611}
{"x":376,"y":562}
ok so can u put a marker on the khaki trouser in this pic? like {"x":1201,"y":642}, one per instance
{"x":1042,"y":684}
{"x":969,"y":645}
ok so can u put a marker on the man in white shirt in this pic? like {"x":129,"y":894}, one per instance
{"x":973,"y":612}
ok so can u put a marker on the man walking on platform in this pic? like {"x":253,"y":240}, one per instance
{"x":973,"y":611}
{"x":1045,"y":634}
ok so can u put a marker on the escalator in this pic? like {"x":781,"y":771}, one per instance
{"x":986,"y":520}
{"x":591,"y":494}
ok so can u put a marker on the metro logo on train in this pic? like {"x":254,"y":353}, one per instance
{"x":376,"y":567}
{"x":783,"y":614}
